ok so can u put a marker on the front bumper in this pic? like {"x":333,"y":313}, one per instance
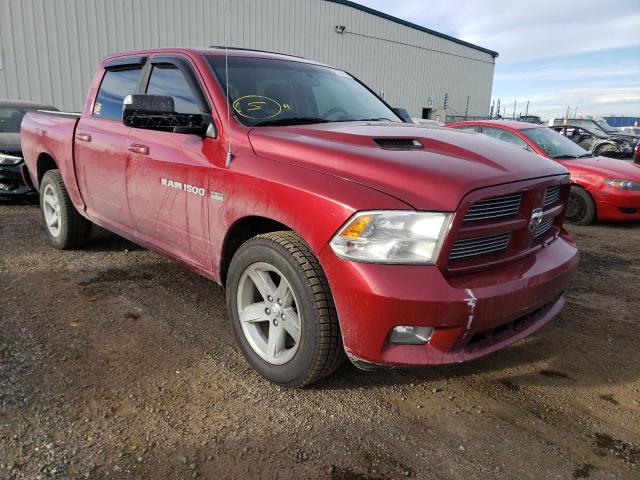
{"x":12,"y":181}
{"x":617,"y":205}
{"x":472,"y":315}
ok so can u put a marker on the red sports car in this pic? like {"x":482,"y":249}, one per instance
{"x":603,"y":188}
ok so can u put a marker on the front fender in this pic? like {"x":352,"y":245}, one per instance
{"x":312,"y":204}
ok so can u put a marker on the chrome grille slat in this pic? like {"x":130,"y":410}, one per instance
{"x":486,"y":251}
{"x":473,"y":242}
{"x":503,"y":206}
{"x":489,"y":208}
{"x":543,"y":228}
{"x":479,"y":246}
{"x":551,"y":196}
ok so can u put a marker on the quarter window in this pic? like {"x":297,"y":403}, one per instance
{"x":115,"y":86}
{"x":169,"y":81}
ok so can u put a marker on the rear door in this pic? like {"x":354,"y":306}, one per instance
{"x":168,"y":172}
{"x":101,"y":143}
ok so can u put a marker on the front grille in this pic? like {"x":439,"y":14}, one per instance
{"x":496,"y":229}
{"x":473,"y":247}
{"x":494,"y":207}
{"x":543,"y":228}
{"x":551,"y":195}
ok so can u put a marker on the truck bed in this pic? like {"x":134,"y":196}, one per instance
{"x":47,"y":135}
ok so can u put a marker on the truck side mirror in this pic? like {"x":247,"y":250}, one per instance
{"x":157,"y":112}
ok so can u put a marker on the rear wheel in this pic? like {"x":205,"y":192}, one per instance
{"x":282,"y":311}
{"x":581,"y":209}
{"x":65,"y":227}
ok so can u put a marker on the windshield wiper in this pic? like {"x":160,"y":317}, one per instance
{"x":564,"y":156}
{"x":586,"y":155}
{"x":291,"y":121}
{"x":379,"y":119}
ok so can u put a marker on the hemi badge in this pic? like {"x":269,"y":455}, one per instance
{"x":217,"y":196}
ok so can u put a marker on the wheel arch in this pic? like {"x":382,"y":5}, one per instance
{"x":239,"y":232}
{"x":588,"y":191}
{"x":44,"y":163}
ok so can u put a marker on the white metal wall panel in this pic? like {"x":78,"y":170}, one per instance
{"x":50,"y":48}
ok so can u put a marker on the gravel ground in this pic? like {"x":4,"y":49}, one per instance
{"x":117,"y":363}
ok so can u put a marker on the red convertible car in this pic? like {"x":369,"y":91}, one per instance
{"x":602,"y":188}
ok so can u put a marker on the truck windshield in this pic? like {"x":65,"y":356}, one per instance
{"x":267,"y":92}
{"x":554,"y":144}
{"x":10,"y":119}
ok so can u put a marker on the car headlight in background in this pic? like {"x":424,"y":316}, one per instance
{"x":9,"y":159}
{"x":623,"y":184}
{"x":392,"y":236}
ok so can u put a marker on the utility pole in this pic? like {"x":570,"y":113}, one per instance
{"x":466,"y":109}
{"x":498,"y":109}
{"x":491,"y":111}
{"x":515,"y":105}
{"x":526,"y":110}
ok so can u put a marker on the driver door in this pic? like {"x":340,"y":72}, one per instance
{"x":168,"y":173}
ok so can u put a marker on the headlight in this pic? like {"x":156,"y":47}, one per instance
{"x":392,"y":237}
{"x":623,"y":184}
{"x":9,"y":159}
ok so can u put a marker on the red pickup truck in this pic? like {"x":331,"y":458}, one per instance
{"x":334,"y":226}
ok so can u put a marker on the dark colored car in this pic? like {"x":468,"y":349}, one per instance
{"x":600,"y":129}
{"x":12,"y":165}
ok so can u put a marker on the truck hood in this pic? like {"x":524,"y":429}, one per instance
{"x":606,"y":167}
{"x":449,"y":165}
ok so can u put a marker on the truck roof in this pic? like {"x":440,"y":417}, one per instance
{"x":217,"y":51}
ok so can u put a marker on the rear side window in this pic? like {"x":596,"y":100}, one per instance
{"x":504,"y":136}
{"x":115,"y":86}
{"x":469,"y":128}
{"x":168,"y":80}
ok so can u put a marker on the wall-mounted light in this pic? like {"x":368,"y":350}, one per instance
{"x":340,"y":28}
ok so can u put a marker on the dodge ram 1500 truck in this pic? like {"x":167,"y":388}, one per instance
{"x":334,"y":226}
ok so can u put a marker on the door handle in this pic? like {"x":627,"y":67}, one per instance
{"x":139,"y":149}
{"x":83,"y":137}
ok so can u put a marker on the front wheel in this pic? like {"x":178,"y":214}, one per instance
{"x":65,"y":227}
{"x":282,"y":311}
{"x":581,"y":209}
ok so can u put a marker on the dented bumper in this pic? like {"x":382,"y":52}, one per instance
{"x":472,"y":315}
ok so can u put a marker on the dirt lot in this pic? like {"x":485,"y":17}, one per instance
{"x":117,"y":363}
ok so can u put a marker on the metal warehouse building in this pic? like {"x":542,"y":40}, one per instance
{"x":49,"y":49}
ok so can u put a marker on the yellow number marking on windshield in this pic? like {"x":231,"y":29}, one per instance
{"x":257,"y":107}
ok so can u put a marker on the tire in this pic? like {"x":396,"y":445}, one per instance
{"x":65,"y":227}
{"x":318,"y":350}
{"x":581,"y":209}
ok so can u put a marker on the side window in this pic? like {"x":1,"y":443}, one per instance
{"x":505,"y":136}
{"x":168,"y":80}
{"x":116,"y":84}
{"x":469,"y":128}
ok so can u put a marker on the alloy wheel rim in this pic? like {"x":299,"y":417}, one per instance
{"x":268,"y":313}
{"x":51,"y":208}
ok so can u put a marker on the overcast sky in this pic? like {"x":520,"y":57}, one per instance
{"x":553,"y":53}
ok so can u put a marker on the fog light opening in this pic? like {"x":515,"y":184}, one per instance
{"x":409,"y":335}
